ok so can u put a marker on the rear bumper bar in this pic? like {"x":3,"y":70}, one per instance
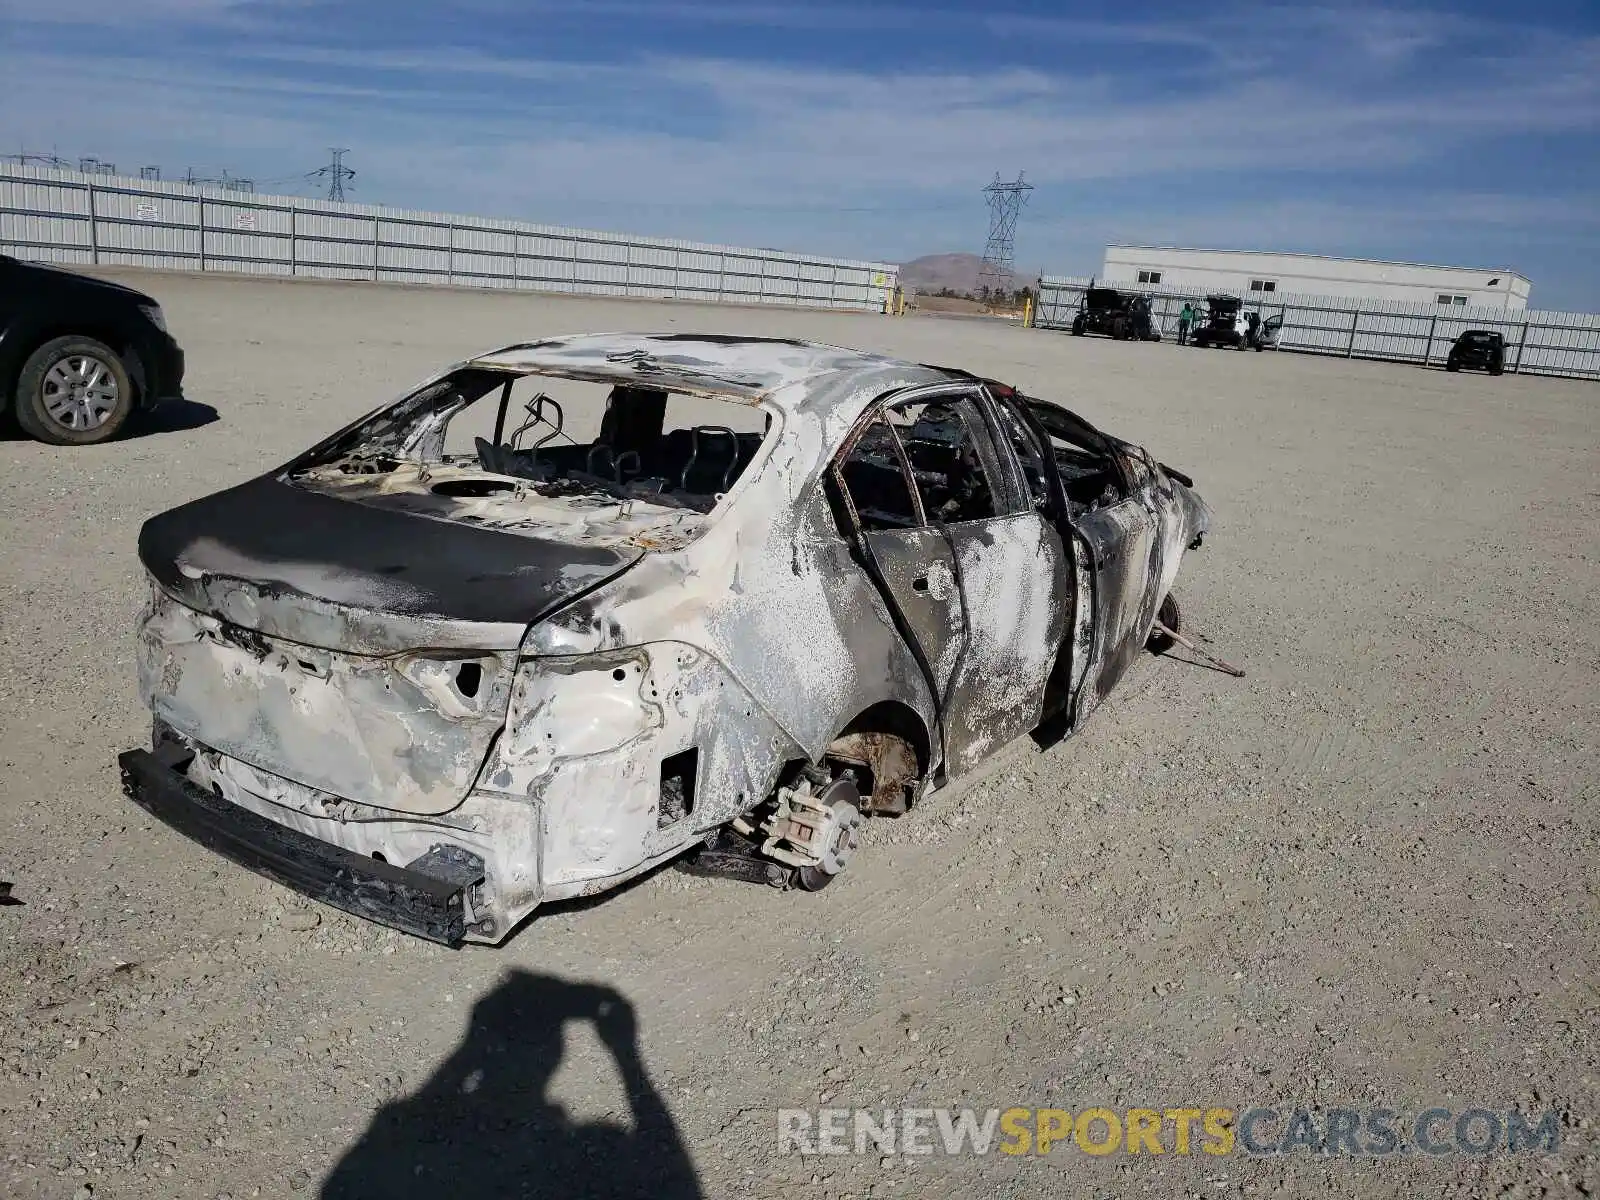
{"x":404,"y":899}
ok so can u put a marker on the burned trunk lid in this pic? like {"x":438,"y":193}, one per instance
{"x":297,"y":564}
{"x":362,"y":653}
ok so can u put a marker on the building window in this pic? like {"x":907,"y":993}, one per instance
{"x":1449,"y":298}
{"x":1263,"y":285}
{"x":1149,"y":276}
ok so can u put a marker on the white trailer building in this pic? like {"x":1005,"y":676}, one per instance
{"x":1249,"y":273}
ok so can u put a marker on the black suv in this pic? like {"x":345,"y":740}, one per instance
{"x":1122,"y":315}
{"x":1480,"y":350}
{"x":78,"y":356}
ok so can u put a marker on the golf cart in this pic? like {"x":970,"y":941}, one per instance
{"x":1227,"y":324}
{"x":1121,"y":315}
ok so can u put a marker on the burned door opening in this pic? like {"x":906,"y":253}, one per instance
{"x":1111,"y":514}
{"x":976,"y":574}
{"x":912,"y":564}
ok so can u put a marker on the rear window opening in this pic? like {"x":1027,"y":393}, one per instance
{"x":628,"y":442}
{"x":488,"y":436}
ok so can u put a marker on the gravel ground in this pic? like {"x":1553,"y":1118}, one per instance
{"x":1365,"y":875}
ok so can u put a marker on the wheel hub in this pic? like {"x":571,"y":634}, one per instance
{"x":803,"y":835}
{"x":80,"y":392}
{"x":815,"y":826}
{"x":842,"y":832}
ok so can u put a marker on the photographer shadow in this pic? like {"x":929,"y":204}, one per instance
{"x":484,"y":1125}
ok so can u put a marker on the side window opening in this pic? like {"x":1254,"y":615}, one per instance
{"x":1029,"y":455}
{"x":950,"y":460}
{"x":1089,"y":475}
{"x":872,"y":477}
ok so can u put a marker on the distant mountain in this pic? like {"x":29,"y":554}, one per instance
{"x":958,"y":272}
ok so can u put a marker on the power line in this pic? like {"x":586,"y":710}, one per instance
{"x":152,"y":172}
{"x":40,"y":160}
{"x":226,"y":182}
{"x":1000,"y":251}
{"x":335,"y":173}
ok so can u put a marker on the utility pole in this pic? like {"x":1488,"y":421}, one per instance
{"x":1000,"y":251}
{"x":335,"y":173}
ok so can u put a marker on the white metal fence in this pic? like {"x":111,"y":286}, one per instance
{"x":70,"y":217}
{"x":1537,"y":343}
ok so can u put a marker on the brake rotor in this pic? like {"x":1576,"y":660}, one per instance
{"x":842,"y":797}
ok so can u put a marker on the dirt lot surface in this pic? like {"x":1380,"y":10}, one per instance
{"x":1363,"y":876}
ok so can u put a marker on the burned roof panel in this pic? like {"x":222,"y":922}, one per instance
{"x":734,"y":367}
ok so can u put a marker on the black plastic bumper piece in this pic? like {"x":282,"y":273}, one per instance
{"x":404,"y":899}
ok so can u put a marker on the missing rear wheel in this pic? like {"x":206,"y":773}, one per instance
{"x":1170,"y":616}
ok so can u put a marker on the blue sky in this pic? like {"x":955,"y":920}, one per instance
{"x":1468,"y":134}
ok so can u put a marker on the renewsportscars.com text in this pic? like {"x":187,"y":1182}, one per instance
{"x":1258,"y":1131}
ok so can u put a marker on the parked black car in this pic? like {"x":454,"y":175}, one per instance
{"x":1122,"y":315}
{"x":78,"y":355}
{"x":1478,"y":350}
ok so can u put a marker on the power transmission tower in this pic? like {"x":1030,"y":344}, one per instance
{"x":335,"y":173}
{"x":1000,"y":251}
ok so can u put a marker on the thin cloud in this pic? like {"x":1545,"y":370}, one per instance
{"x":651,"y":134}
{"x":813,"y":133}
{"x":238,"y":15}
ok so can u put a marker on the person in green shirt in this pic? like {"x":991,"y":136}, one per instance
{"x":1185,"y":319}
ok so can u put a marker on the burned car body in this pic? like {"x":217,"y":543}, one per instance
{"x":440,"y":686}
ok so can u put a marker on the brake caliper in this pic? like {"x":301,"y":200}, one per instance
{"x":814,"y":823}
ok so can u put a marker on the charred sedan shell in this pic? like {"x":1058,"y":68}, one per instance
{"x":490,"y":646}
